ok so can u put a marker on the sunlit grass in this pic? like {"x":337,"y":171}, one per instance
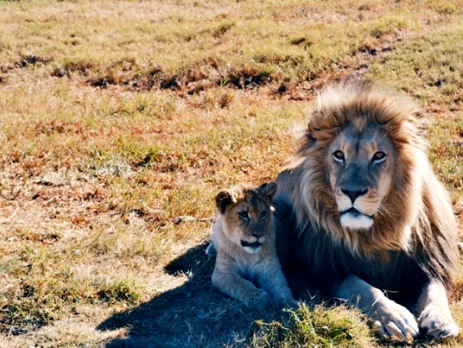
{"x":117,"y":117}
{"x":317,"y":327}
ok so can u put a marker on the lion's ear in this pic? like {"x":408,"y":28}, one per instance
{"x":223,"y":199}
{"x":268,"y":190}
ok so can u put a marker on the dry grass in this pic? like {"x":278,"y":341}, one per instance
{"x":119,"y":117}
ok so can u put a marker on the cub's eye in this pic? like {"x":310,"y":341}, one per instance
{"x":338,"y":156}
{"x":379,"y":157}
{"x":244,"y":215}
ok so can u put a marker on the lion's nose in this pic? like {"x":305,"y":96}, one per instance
{"x":353,"y":195}
{"x":257,"y":234}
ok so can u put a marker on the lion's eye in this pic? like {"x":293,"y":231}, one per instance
{"x":244,"y":215}
{"x":338,"y":156}
{"x":379,"y":157}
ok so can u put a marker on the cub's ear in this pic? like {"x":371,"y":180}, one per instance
{"x":223,"y":199}
{"x":268,"y":189}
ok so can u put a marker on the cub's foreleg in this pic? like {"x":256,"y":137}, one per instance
{"x":272,"y":280}
{"x":227,"y":280}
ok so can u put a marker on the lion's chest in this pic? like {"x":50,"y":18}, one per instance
{"x":395,"y":273}
{"x":330,"y":264}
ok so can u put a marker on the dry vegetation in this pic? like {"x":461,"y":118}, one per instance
{"x":120,"y":120}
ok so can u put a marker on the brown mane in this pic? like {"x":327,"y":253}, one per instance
{"x":415,"y":223}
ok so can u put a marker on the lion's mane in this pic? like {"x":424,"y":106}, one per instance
{"x":413,"y":236}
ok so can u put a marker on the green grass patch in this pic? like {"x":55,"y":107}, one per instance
{"x":128,"y":290}
{"x":317,"y":327}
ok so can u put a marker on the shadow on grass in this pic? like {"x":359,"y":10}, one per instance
{"x":192,"y":315}
{"x":197,"y":315}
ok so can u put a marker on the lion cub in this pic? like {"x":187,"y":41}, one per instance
{"x":247,"y":266}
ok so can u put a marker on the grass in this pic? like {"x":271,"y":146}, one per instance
{"x":316,"y":327}
{"x":120,"y":120}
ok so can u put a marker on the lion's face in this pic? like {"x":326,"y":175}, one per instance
{"x":361,"y":173}
{"x":247,"y":215}
{"x":360,"y":166}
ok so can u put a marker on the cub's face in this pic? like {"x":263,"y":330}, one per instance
{"x":247,"y":215}
{"x":360,"y":173}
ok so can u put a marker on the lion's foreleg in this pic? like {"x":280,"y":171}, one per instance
{"x":435,"y":318}
{"x":391,"y":320}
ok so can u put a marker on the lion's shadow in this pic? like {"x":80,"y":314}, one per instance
{"x":195,"y":314}
{"x":191,"y":315}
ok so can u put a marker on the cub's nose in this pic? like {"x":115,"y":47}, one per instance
{"x":353,"y":195}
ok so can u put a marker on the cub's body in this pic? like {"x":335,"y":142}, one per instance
{"x":247,"y":266}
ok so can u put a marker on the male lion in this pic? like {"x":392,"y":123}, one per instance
{"x":247,"y":266}
{"x":374,"y":225}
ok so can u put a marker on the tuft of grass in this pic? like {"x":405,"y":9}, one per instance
{"x":316,"y":327}
{"x":21,"y":317}
{"x":390,"y":25}
{"x":128,"y":290}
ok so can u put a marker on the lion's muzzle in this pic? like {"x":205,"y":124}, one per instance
{"x":353,"y":219}
{"x":353,"y":195}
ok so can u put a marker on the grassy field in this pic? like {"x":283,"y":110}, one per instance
{"x":120,"y":121}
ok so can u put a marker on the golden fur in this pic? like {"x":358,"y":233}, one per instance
{"x":370,"y":211}
{"x":247,"y":266}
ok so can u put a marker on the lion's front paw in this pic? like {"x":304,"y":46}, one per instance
{"x":437,"y":324}
{"x":393,"y":322}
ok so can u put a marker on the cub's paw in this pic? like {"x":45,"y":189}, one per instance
{"x":259,"y":299}
{"x":393,"y":322}
{"x":437,"y":324}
